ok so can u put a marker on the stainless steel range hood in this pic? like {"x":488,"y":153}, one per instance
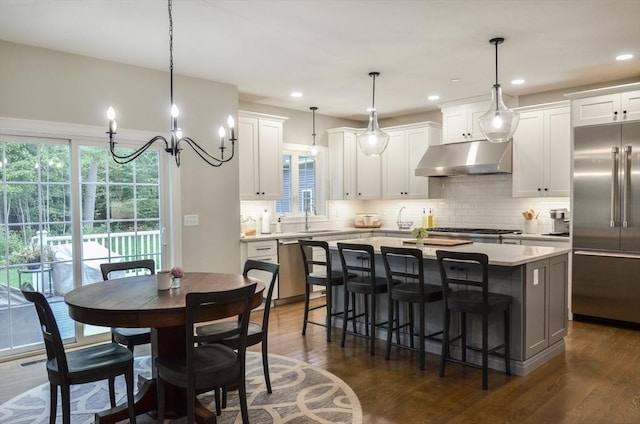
{"x":468,"y":158}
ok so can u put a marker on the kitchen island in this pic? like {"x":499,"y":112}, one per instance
{"x":534,"y":276}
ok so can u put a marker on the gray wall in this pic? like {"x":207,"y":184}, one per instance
{"x":39,"y":84}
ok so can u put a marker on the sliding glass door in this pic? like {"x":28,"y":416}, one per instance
{"x":35,"y":207}
{"x":66,"y":207}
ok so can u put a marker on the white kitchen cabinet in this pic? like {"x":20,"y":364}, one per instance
{"x":265,"y":251}
{"x":542,"y":152}
{"x":368,"y":175}
{"x":460,"y":122}
{"x":260,"y":153}
{"x":353,"y":174}
{"x":407,"y":144}
{"x":607,"y":105}
{"x":342,"y":163}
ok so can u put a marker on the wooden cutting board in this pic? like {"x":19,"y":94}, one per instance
{"x":434,"y":241}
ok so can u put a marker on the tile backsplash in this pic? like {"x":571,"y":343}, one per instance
{"x":470,"y":201}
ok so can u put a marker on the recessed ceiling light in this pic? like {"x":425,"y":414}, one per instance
{"x":455,"y":79}
{"x":296,"y":94}
{"x":625,"y":56}
{"x":518,"y":81}
{"x":433,"y":97}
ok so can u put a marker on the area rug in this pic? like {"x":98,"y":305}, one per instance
{"x":302,"y":393}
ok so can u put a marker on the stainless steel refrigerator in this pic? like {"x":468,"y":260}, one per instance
{"x":606,"y":222}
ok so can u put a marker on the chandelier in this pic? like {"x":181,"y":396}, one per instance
{"x":373,"y":141}
{"x":499,"y":123}
{"x":173,"y":146}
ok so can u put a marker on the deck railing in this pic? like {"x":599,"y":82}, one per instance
{"x":140,"y":244}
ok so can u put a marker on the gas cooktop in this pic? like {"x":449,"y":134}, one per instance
{"x":474,"y":230}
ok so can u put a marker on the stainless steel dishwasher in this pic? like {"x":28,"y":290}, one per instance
{"x":291,"y":277}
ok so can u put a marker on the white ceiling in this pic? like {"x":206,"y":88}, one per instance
{"x":326,"y":48}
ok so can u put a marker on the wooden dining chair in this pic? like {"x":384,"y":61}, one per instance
{"x":257,"y":332}
{"x":206,"y":363}
{"x":129,"y":337}
{"x":93,"y":363}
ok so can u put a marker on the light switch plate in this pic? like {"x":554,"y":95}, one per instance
{"x":190,"y":220}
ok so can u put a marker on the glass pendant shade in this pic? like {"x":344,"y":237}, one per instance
{"x":499,"y":123}
{"x":373,"y":141}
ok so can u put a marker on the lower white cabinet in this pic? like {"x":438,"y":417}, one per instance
{"x":265,"y":251}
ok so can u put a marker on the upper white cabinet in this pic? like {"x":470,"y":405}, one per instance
{"x":606,"y":105}
{"x":260,"y":154}
{"x":460,"y":122}
{"x":353,"y":175}
{"x":368,"y":175}
{"x":342,"y":163}
{"x":542,"y":151}
{"x":407,"y":144}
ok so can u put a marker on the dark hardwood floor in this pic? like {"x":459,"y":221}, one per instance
{"x":597,"y":379}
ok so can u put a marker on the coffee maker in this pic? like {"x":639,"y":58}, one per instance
{"x":560,"y":221}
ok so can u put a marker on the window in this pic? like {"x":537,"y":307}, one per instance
{"x":300,"y":178}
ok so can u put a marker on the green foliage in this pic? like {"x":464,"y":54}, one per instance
{"x":419,"y":233}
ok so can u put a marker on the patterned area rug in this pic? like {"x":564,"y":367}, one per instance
{"x":302,"y":393}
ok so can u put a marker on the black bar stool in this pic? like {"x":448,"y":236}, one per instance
{"x":406,"y":266}
{"x":326,"y":276}
{"x":475,"y":298}
{"x":358,"y":259}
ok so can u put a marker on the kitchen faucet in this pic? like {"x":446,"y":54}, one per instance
{"x":307,"y":205}
{"x":399,"y":217}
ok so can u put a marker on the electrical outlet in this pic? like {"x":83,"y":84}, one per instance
{"x":190,"y":220}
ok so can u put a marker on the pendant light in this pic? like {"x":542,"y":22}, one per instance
{"x":499,"y":123}
{"x":314,"y":148}
{"x":373,"y":141}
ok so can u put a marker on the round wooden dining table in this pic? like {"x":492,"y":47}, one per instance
{"x":135,"y":302}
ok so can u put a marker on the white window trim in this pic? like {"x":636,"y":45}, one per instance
{"x":322,"y":180}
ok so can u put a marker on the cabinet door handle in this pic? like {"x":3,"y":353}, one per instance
{"x":539,"y":189}
{"x":546,"y":189}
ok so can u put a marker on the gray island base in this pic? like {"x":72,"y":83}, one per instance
{"x":534,"y":276}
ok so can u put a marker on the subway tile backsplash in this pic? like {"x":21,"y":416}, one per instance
{"x":468,"y":201}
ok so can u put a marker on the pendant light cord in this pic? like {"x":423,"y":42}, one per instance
{"x":313,"y":120}
{"x":373,"y":97}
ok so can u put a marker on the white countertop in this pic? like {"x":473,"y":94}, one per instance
{"x":499,"y":254}
{"x":380,"y":231}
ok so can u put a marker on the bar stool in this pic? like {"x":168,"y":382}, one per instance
{"x":358,"y":259}
{"x":407,"y":265}
{"x":326,"y":277}
{"x":473,"y":301}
